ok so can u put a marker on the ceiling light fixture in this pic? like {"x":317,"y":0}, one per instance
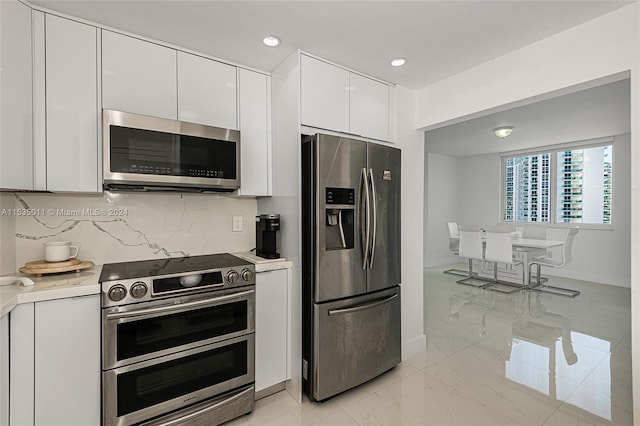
{"x":503,"y":131}
{"x":398,"y":62}
{"x":271,"y":41}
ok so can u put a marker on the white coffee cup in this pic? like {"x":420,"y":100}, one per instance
{"x":59,"y":251}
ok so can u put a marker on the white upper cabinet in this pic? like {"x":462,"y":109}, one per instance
{"x":71,"y":106}
{"x":324,"y":95}
{"x":138,"y":76}
{"x":207,"y":92}
{"x":369,"y":108}
{"x":255,"y":133}
{"x":16,"y":108}
{"x":336,"y":99}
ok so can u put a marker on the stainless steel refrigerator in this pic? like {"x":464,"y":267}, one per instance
{"x":351,"y":262}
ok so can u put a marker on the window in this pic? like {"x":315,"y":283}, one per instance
{"x":582,"y":192}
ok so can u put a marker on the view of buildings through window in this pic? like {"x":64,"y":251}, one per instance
{"x":583,"y":186}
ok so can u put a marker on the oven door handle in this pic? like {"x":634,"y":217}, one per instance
{"x":178,"y":307}
{"x":204,"y":410}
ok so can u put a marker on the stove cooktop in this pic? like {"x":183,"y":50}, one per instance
{"x":174,"y":265}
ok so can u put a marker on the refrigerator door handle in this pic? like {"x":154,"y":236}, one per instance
{"x":362,"y":307}
{"x":374,"y":208}
{"x":364,"y":234}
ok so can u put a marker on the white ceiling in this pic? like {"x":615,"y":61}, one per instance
{"x":594,"y":113}
{"x":439,"y":38}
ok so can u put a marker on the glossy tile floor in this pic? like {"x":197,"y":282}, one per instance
{"x":527,"y":358}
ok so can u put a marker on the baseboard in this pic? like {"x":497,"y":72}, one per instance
{"x":269,"y":391}
{"x":442,"y":261}
{"x":414,"y":346}
{"x":617,"y":281}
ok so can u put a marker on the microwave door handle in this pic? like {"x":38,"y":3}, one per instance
{"x":180,"y":307}
{"x":364,"y":230}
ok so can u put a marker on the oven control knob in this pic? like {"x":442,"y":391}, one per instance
{"x":232,"y":276}
{"x":138,"y":289}
{"x":117,"y":292}
{"x":247,"y":275}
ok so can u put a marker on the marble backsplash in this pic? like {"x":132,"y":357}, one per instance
{"x":119,"y":227}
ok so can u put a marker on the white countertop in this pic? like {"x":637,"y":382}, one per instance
{"x":49,"y":287}
{"x":85,"y":282}
{"x":264,"y":265}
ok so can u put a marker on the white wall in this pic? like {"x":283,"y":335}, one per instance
{"x":122,"y":227}
{"x":599,"y":48}
{"x":602,"y":256}
{"x":285,"y":83}
{"x":411,"y":143}
{"x":441,"y":201}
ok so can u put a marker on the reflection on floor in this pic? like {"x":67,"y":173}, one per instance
{"x":494,"y":359}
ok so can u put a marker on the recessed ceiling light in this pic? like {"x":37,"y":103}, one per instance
{"x":503,"y":131}
{"x":271,"y":41}
{"x":398,"y":62}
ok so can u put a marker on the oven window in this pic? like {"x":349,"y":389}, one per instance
{"x":150,"y":335}
{"x":153,"y":385}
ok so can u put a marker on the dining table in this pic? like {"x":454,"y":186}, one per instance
{"x":525,"y":249}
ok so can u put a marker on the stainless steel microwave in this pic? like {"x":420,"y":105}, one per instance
{"x":150,"y":153}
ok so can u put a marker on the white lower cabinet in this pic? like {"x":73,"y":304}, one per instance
{"x":55,"y":362}
{"x":271,"y":328}
{"x":4,"y":370}
{"x":21,"y":372}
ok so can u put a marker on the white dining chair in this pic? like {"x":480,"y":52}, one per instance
{"x":556,"y":257}
{"x":499,"y":249}
{"x":471,"y":248}
{"x":454,"y":247}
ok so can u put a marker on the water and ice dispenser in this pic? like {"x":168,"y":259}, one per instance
{"x":339,"y":218}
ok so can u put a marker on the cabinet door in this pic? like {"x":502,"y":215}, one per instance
{"x":138,"y":76}
{"x":255,"y":133}
{"x":4,"y":370}
{"x":207,"y":92}
{"x":72,"y":106}
{"x":21,"y":374}
{"x":324,"y":91}
{"x":369,"y":108}
{"x":271,"y":328}
{"x":67,"y":361}
{"x":16,"y":113}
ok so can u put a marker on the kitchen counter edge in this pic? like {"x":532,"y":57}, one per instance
{"x":265,"y":265}
{"x":50,"y":287}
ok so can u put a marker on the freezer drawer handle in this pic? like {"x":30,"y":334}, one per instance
{"x":362,"y":307}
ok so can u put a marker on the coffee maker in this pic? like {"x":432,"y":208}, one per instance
{"x":268,"y":236}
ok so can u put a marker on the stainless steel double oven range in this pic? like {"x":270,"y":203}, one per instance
{"x":178,"y":340}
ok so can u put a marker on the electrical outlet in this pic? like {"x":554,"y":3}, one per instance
{"x":237,"y":224}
